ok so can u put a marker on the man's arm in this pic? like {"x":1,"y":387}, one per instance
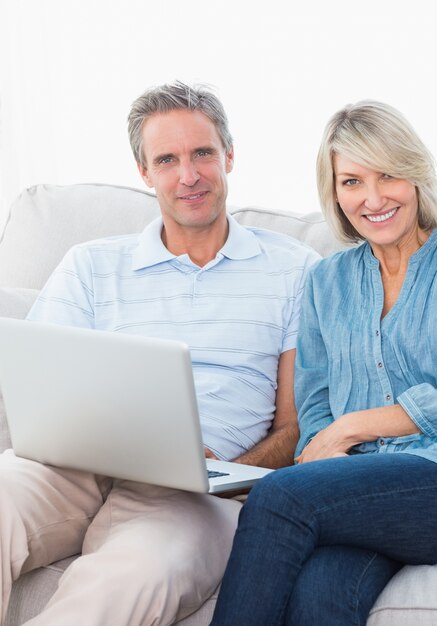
{"x":277,"y":449}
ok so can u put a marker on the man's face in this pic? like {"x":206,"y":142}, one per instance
{"x":187,"y":165}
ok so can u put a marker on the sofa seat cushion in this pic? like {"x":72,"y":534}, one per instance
{"x":409,"y":599}
{"x":32,"y":591}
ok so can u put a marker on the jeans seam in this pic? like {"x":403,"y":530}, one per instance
{"x":356,"y":617}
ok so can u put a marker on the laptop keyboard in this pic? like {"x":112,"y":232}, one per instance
{"x":213,"y":474}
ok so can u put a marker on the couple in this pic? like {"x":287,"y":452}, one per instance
{"x":365,"y":385}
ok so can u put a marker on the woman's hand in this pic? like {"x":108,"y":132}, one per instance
{"x":357,"y":427}
{"x":332,"y":441}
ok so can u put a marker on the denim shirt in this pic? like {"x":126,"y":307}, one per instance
{"x":349,"y":359}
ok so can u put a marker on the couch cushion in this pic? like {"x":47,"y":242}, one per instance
{"x":409,"y":599}
{"x":46,"y":220}
{"x":13,"y":303}
{"x":16,"y":302}
{"x":310,"y":228}
{"x":32,"y":591}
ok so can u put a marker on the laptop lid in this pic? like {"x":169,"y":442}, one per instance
{"x":110,"y":403}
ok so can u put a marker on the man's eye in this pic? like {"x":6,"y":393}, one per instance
{"x":164,"y":160}
{"x":203,"y":153}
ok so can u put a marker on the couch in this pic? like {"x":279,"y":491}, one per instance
{"x":42,"y":224}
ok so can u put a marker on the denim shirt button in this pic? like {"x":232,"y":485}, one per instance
{"x":388,"y":397}
{"x":381,"y":442}
{"x":379,"y":364}
{"x":377,"y":333}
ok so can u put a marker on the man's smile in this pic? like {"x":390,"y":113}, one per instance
{"x":193,"y":196}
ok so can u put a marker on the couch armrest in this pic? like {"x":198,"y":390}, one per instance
{"x":14,"y":302}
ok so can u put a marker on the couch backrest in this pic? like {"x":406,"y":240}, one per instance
{"x":46,"y":220}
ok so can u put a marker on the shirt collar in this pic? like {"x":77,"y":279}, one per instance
{"x":240,"y":244}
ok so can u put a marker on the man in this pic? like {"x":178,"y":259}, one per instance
{"x":152,"y":555}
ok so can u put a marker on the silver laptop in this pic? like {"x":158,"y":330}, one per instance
{"x":110,"y":403}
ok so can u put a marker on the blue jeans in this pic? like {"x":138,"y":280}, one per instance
{"x":316,"y":543}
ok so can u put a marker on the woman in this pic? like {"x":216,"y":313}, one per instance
{"x":317,"y":542}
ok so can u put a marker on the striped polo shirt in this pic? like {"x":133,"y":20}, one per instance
{"x":238,"y":313}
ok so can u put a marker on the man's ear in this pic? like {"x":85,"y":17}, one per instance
{"x":144,"y":172}
{"x":229,"y":163}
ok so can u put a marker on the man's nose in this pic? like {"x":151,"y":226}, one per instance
{"x":188,"y":174}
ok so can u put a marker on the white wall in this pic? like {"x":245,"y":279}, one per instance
{"x":71,"y":68}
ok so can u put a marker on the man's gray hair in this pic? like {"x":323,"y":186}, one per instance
{"x":171,"y":97}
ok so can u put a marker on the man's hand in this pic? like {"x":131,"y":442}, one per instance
{"x":210,"y":455}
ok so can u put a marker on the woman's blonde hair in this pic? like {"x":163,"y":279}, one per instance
{"x":376,"y":136}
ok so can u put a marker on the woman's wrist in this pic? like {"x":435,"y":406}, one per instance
{"x":351,"y":431}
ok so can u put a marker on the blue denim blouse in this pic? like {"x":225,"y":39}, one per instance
{"x":349,"y":359}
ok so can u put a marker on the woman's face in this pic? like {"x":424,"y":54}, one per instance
{"x":383,"y":209}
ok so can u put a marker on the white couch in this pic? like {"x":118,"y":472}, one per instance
{"x":43,"y":223}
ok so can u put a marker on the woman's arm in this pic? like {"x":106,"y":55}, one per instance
{"x":311,"y":372}
{"x":357,"y":427}
{"x":415,"y":410}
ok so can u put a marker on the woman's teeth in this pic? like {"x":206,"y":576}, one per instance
{"x":381,"y":218}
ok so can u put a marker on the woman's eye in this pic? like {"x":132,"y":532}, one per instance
{"x":350,"y":182}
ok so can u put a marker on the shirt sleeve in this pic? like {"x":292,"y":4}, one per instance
{"x":290,"y":337}
{"x":67,"y":298}
{"x":420,"y":402}
{"x":311,"y":372}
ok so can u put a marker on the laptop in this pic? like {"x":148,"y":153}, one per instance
{"x":111,"y":403}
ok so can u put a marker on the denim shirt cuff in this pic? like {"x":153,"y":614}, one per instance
{"x":418,"y":401}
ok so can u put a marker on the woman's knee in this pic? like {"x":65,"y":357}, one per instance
{"x":286,"y":489}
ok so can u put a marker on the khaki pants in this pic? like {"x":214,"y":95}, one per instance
{"x":150,"y":555}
